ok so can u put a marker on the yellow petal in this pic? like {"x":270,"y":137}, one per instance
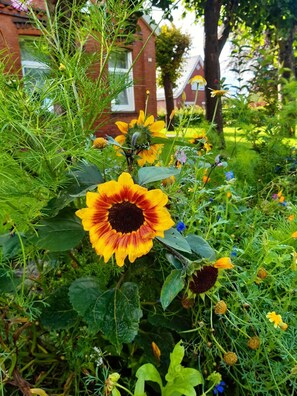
{"x":223,"y":263}
{"x":140,"y":120}
{"x":125,"y":179}
{"x":156,"y":197}
{"x":157,"y":126}
{"x":149,"y":120}
{"x":92,"y":198}
{"x":123,"y":126}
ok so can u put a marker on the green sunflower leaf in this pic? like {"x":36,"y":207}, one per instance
{"x":83,"y":294}
{"x":175,"y":240}
{"x":84,"y":177}
{"x":115,"y":312}
{"x":60,"y":233}
{"x":149,"y":174}
{"x":201,"y":247}
{"x":173,"y":284}
{"x":59,"y":313}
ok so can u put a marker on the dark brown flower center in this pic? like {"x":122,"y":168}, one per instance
{"x":125,"y":217}
{"x":204,"y":279}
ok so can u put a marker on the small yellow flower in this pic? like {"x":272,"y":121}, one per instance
{"x":99,"y":143}
{"x":274,"y":318}
{"x":218,"y":92}
{"x":156,"y":351}
{"x":281,"y":199}
{"x":184,"y":96}
{"x":254,"y":342}
{"x":229,"y":195}
{"x":262,"y":273}
{"x":220,"y":308}
{"x":291,"y":217}
{"x":62,"y":67}
{"x":230,"y":358}
{"x":38,"y":392}
{"x":147,"y":92}
{"x":294,"y":235}
{"x":199,"y":80}
{"x":223,"y":263}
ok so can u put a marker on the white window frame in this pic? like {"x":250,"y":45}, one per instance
{"x":129,"y":90}
{"x":35,"y":64}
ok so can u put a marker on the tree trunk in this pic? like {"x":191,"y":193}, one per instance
{"x":212,"y":65}
{"x":286,"y":53}
{"x":169,"y":101}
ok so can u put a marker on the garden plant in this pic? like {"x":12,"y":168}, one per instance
{"x":140,"y":264}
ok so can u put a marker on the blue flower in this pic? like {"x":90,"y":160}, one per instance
{"x":229,"y":175}
{"x":233,"y":253}
{"x":180,"y":226}
{"x":219,"y":388}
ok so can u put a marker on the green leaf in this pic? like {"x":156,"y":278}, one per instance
{"x":83,"y":294}
{"x":201,"y":247}
{"x":174,"y":261}
{"x":151,"y":174}
{"x":173,"y":284}
{"x":84,"y":177}
{"x":59,"y":314}
{"x":174,"y":239}
{"x":60,"y":233}
{"x":181,"y":380}
{"x":11,"y":245}
{"x":115,"y":312}
{"x":115,"y":392}
{"x":176,"y":358}
{"x":147,"y":372}
{"x":8,"y":281}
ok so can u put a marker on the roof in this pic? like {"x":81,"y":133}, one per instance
{"x":190,"y":64}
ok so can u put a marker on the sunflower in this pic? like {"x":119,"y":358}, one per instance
{"x":124,"y":218}
{"x":138,"y":134}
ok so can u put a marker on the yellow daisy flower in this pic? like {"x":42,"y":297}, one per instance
{"x":274,"y":318}
{"x":218,"y":92}
{"x":123,"y":218}
{"x":138,"y":134}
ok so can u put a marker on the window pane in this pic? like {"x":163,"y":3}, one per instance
{"x":118,"y":60}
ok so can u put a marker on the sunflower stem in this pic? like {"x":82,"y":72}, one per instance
{"x":184,"y":261}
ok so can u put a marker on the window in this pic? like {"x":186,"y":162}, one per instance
{"x":34,"y":69}
{"x":119,"y":68}
{"x":196,"y":86}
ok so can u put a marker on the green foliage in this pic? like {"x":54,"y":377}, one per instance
{"x":180,"y":380}
{"x":171,"y":46}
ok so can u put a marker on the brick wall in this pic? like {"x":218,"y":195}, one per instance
{"x":15,"y":23}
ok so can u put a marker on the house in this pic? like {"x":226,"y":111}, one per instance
{"x":16,"y":31}
{"x":193,"y":66}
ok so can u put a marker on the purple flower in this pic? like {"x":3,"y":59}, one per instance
{"x":180,"y":226}
{"x":219,"y":388}
{"x":229,"y":175}
{"x":180,"y":156}
{"x":275,"y":197}
{"x":21,"y":5}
